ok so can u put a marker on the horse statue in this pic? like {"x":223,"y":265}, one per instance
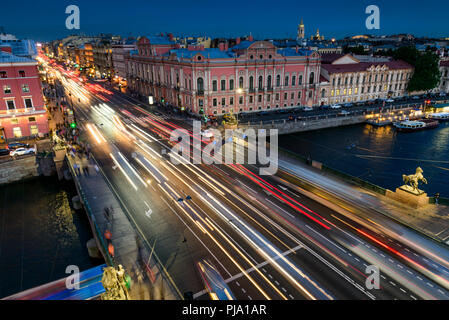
{"x":414,"y":179}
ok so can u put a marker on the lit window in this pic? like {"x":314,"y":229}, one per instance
{"x":6,"y":89}
{"x":25,"y":88}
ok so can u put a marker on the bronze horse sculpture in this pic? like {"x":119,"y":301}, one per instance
{"x":414,"y":179}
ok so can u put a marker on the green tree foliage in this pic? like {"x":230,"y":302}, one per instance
{"x":427,"y":74}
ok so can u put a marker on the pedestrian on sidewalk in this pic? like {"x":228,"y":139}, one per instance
{"x":77,"y":168}
{"x":107,"y":213}
{"x":86,"y":170}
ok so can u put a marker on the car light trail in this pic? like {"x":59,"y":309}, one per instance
{"x":123,"y":171}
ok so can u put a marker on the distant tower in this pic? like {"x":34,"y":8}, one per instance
{"x":301,"y":31}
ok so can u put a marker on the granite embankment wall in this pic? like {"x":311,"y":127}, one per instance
{"x":19,"y":169}
{"x":287,"y":127}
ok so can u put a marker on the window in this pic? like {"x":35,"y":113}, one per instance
{"x":241,"y":100}
{"x":299,"y":95}
{"x":31,"y":119}
{"x":346,"y":81}
{"x":231,"y":84}
{"x":214,"y":102}
{"x":17,"y":132}
{"x":286,"y":81}
{"x":241,"y":82}
{"x":269,"y":97}
{"x":231,"y":101}
{"x":200,"y":85}
{"x":363,"y":89}
{"x":200,"y":102}
{"x":250,"y":99}
{"x":310,"y":93}
{"x":3,"y":74}
{"x":214,"y":85}
{"x":260,"y":83}
{"x":10,"y":104}
{"x":333,"y":82}
{"x":223,"y":85}
{"x":292,"y":96}
{"x":251,"y":83}
{"x":300,"y":80}
{"x":312,"y":78}
{"x":278,"y":81}
{"x":25,"y":88}
{"x":270,"y":56}
{"x":259,"y":98}
{"x":323,"y":93}
{"x":261,"y":57}
{"x":277,"y":96}
{"x":269,"y":82}
{"x":34,"y":130}
{"x":338,"y":81}
{"x":285,"y":96}
{"x":293,"y":81}
{"x":223,"y":101}
{"x":6,"y":89}
{"x":332,"y":93}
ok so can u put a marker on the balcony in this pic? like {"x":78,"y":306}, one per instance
{"x":269,"y":89}
{"x":252,"y":90}
{"x":200,"y":93}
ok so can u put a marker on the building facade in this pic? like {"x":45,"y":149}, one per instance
{"x":22,"y":111}
{"x":352,"y":80}
{"x":119,"y":51}
{"x":444,"y":69}
{"x":251,"y":76}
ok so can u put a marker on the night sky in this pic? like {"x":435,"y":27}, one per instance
{"x":45,"y":20}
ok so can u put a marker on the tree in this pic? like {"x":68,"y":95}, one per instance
{"x":427,"y":73}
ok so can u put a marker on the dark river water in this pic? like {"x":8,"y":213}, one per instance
{"x":40,"y":234}
{"x":379,"y":155}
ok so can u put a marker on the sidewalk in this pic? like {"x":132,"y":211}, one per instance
{"x":432,"y":220}
{"x":129,"y":251}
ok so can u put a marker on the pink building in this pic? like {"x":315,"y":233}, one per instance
{"x":249,"y":77}
{"x":22,"y":112}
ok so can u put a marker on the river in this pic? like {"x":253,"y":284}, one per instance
{"x":40,"y":234}
{"x":379,"y":155}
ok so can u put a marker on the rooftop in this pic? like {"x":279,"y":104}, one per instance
{"x":6,"y":57}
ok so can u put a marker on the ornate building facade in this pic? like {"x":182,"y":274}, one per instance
{"x":251,"y":76}
{"x":352,"y":80}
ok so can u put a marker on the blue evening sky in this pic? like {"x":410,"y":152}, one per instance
{"x":45,"y":20}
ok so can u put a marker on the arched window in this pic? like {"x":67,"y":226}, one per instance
{"x":269,"y":82}
{"x":311,"y":78}
{"x":241,"y":82}
{"x":278,"y":81}
{"x":286,"y":81}
{"x":200,"y":84}
{"x":260,"y":83}
{"x":300,"y":80}
{"x":323,"y":93}
{"x":251,"y":82}
{"x":293,"y":81}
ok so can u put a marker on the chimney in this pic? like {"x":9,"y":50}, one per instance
{"x":237,"y":41}
{"x":226,"y":46}
{"x":296,"y":49}
{"x":170,"y":35}
{"x":250,"y":38}
{"x":221,"y":46}
{"x":6,"y":49}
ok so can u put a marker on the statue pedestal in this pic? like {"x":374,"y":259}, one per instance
{"x":408,"y":196}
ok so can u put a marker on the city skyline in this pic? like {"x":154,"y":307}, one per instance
{"x":265,"y":21}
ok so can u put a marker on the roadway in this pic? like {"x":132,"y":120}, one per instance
{"x":268,"y":240}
